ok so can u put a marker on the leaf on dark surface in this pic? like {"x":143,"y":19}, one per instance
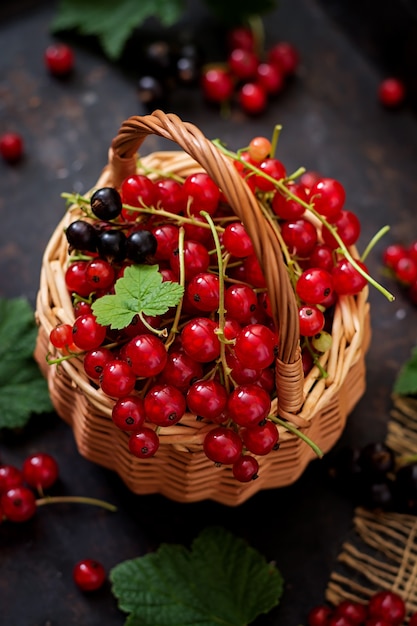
{"x":406,"y":381}
{"x":23,"y":390}
{"x":221,"y":580}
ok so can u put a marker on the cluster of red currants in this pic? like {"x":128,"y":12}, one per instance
{"x":401,"y":262}
{"x":213,"y":355}
{"x":249,"y":76}
{"x":384,"y":608}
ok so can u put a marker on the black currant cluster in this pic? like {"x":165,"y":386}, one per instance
{"x":166,"y":66}
{"x":111,"y":243}
{"x":375,"y":477}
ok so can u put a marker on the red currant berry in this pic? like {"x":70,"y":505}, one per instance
{"x":311,"y":320}
{"x":348,"y":228}
{"x":328,"y":197}
{"x":300,"y":237}
{"x":260,"y":439}
{"x":393,"y":253}
{"x":287,"y":207}
{"x":252,"y":98}
{"x":203,"y":192}
{"x":117,"y":379}
{"x":180,"y":370}
{"x":243,"y":63}
{"x":252,"y":271}
{"x":95,"y":360}
{"x":256,"y":345}
{"x":100,"y":274}
{"x":164,"y":405}
{"x":270,"y":78}
{"x":245,"y":468}
{"x":285,"y":56}
{"x":76,"y":279}
{"x":314,"y":285}
{"x":406,"y":270}
{"x":89,"y":575}
{"x":11,"y":147}
{"x":61,"y":336}
{"x":146,"y":354}
{"x":87,"y":333}
{"x":166,"y":237}
{"x":222,"y":445}
{"x":128,"y":413}
{"x":322,"y":256}
{"x":217,"y":85}
{"x":319,"y":615}
{"x":18,"y":504}
{"x":241,"y":302}
{"x":240,"y":37}
{"x":248,"y":405}
{"x":346,"y":278}
{"x":137,"y":191}
{"x":171,"y":196}
{"x":388,"y":606}
{"x":273,"y":169}
{"x":10,"y":476}
{"x":59,"y":59}
{"x":241,"y":374}
{"x":391,"y":92}
{"x":144,"y":443}
{"x":203,"y":290}
{"x":237,"y":241}
{"x":196,"y":259}
{"x":40,"y":471}
{"x":207,"y":399}
{"x":353,"y":611}
{"x":200,"y":341}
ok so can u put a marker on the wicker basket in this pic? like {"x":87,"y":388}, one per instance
{"x":180,"y":470}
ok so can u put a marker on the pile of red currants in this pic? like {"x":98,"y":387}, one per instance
{"x":213,"y":354}
{"x":400,"y":260}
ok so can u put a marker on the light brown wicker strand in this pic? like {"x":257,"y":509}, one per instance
{"x":267,"y":247}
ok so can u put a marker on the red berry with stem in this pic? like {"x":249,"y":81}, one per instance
{"x":117,"y":379}
{"x":203,"y":192}
{"x":18,"y":504}
{"x":319,"y":615}
{"x":322,"y":256}
{"x":89,"y":575}
{"x":61,"y":336}
{"x":146,"y":354}
{"x":347,"y":226}
{"x":252,"y":98}
{"x":314,"y":285}
{"x":259,"y":149}
{"x":271,"y":168}
{"x":144,"y":443}
{"x":10,"y":476}
{"x":95,"y":360}
{"x":261,"y":439}
{"x":200,"y":341}
{"x":285,"y":56}
{"x":203,"y":290}
{"x":300,"y":237}
{"x":391,"y":92}
{"x":251,"y":271}
{"x":164,"y":405}
{"x":76,"y":279}
{"x":128,"y":413}
{"x":287,"y":207}
{"x":256,"y":345}
{"x":239,"y":373}
{"x":196,"y":259}
{"x":207,"y":399}
{"x":166,"y":236}
{"x":387,"y":605}
{"x":240,"y":301}
{"x":40,"y":471}
{"x":328,"y":197}
{"x":171,"y":196}
{"x":347,"y":280}
{"x":245,"y":468}
{"x":237,"y":241}
{"x":11,"y":147}
{"x":217,"y":85}
{"x":248,"y":405}
{"x":137,"y":191}
{"x":243,"y":63}
{"x":59,"y":59}
{"x":180,"y":370}
{"x":87,"y":333}
{"x":222,"y":445}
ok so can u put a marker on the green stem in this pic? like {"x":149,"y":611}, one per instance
{"x":175,"y":324}
{"x":76,"y":500}
{"x":161,"y":332}
{"x":296,"y":431}
{"x":257,"y":27}
{"x":275,"y":136}
{"x":374,"y":241}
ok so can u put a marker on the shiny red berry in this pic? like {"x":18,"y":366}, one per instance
{"x":89,"y":575}
{"x":40,"y":470}
{"x":59,"y":59}
{"x":11,"y":147}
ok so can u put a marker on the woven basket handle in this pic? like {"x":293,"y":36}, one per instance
{"x":122,"y":163}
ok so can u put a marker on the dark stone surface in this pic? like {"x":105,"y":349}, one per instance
{"x":331,"y":123}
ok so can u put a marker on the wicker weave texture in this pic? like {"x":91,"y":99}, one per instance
{"x":180,"y":469}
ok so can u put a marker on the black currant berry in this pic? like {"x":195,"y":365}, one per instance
{"x":106,"y":203}
{"x":150,"y":91}
{"x":81,"y":235}
{"x":140,"y":245}
{"x":377,"y":495}
{"x":376,"y":460}
{"x":111,"y":245}
{"x":158,"y":59}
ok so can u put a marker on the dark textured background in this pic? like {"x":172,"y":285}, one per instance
{"x":332,"y":123}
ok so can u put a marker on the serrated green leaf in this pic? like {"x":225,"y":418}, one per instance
{"x":406,"y":381}
{"x":23,"y":390}
{"x":221,"y":580}
{"x":113,"y":22}
{"x":141,"y":289}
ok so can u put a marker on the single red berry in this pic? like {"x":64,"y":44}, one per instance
{"x":255,"y":346}
{"x":11,"y":147}
{"x":243,"y":63}
{"x":10,"y":476}
{"x":405,"y":270}
{"x":260,"y":439}
{"x":328,"y":197}
{"x":270,"y":77}
{"x":300,"y":236}
{"x":347,"y":280}
{"x":222,"y":445}
{"x":59,"y":59}
{"x":61,"y":336}
{"x":240,"y":37}
{"x":207,"y":398}
{"x":117,"y":379}
{"x":180,"y":370}
{"x":245,"y":468}
{"x":164,"y":405}
{"x":353,"y":611}
{"x":95,"y":360}
{"x":146,"y":354}
{"x":217,"y":85}
{"x":236,"y":240}
{"x":40,"y":470}
{"x":76,"y":279}
{"x":319,"y":615}
{"x":348,"y":228}
{"x":87,"y":333}
{"x":128,"y":413}
{"x":285,"y":56}
{"x":391,"y":92}
{"x":314,"y":285}
{"x":200,"y":340}
{"x":248,"y":405}
{"x":393,"y":253}
{"x":311,"y":320}
{"x":18,"y":504}
{"x":252,"y":98}
{"x":387,"y":605}
{"x":144,"y":443}
{"x":89,"y":575}
{"x":203,"y":193}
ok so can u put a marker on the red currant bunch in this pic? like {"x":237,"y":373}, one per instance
{"x":400,"y":262}
{"x":383,"y":608}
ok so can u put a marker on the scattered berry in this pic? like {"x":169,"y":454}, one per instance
{"x":59,"y":59}
{"x":391,"y":92}
{"x":11,"y":147}
{"x":89,"y":575}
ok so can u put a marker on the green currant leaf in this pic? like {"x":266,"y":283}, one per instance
{"x":221,"y":580}
{"x":140,"y":290}
{"x":113,"y":22}
{"x":406,"y":381}
{"x":23,"y":390}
